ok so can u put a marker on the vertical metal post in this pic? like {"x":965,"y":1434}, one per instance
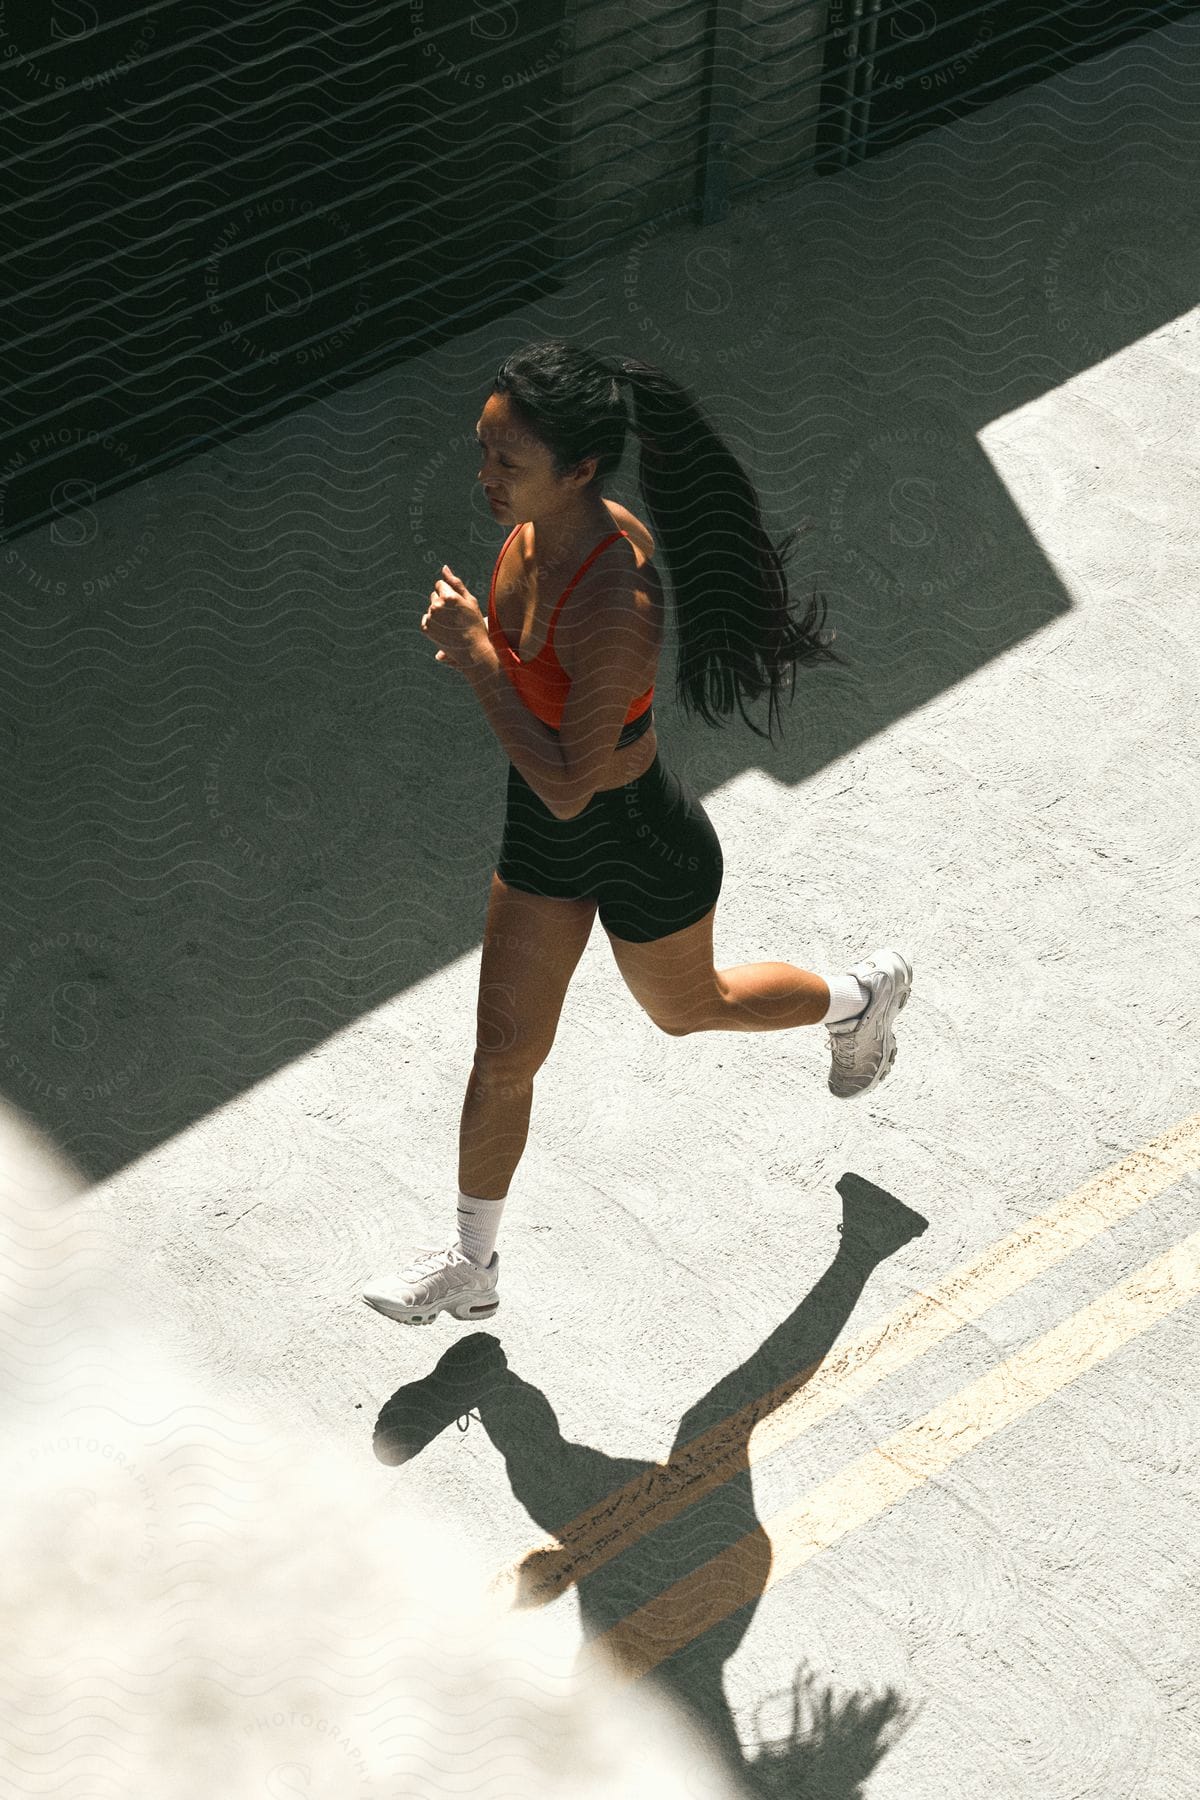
{"x":865,"y":37}
{"x":720,"y":104}
{"x":850,"y":114}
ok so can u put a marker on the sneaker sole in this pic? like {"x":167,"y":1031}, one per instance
{"x":482,"y":1309}
{"x":889,"y":1056}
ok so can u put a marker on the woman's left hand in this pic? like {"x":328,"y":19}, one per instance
{"x":455,"y":622}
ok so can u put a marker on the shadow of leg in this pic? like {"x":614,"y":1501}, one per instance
{"x":465,"y":1376}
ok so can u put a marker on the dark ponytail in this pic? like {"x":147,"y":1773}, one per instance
{"x":737,"y":639}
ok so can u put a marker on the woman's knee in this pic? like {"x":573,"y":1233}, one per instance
{"x":673,"y":978}
{"x":507,"y":1073}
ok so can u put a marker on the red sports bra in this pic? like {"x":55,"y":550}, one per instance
{"x":542,"y":682}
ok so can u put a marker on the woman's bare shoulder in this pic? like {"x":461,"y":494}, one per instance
{"x":633,"y":525}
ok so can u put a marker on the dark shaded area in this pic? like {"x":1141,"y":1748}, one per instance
{"x":832,"y":1747}
{"x":208,"y":229}
{"x":897,"y":68}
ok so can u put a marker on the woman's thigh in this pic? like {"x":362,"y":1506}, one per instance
{"x":531,"y":949}
{"x":668,"y":868}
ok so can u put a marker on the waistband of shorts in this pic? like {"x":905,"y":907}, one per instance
{"x":652,"y":777}
{"x":630,"y":733}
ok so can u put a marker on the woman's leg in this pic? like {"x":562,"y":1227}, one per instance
{"x":673,"y":869}
{"x":531,"y":949}
{"x":674,"y":980}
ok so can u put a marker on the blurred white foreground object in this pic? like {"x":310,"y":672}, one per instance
{"x":194,"y":1604}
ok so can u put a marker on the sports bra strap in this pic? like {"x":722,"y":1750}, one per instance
{"x":582,"y":570}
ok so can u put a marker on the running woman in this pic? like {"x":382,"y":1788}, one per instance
{"x":563,"y":665}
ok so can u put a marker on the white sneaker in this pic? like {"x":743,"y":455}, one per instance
{"x":863,"y":1049}
{"x":437,"y":1281}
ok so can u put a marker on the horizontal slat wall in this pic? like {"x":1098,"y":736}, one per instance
{"x":204,"y":225}
{"x":678,"y":109}
{"x":637,"y":91}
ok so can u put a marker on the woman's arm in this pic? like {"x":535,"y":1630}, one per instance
{"x":529,"y":744}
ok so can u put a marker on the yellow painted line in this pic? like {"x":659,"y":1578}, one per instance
{"x":884,"y":1476}
{"x":548,"y":1568}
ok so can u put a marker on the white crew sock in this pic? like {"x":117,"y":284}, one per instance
{"x":847,"y":998}
{"x":478,"y":1223}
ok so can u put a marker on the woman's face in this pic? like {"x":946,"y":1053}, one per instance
{"x":517,"y":470}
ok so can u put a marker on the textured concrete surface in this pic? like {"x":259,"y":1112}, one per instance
{"x":253,"y":825}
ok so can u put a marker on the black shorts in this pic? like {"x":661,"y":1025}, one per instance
{"x":646,"y":851}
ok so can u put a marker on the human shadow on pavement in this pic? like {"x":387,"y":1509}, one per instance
{"x":629,"y":1532}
